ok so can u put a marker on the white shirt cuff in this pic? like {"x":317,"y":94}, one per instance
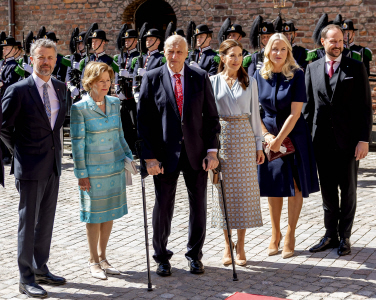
{"x":212,"y":150}
{"x":363,"y":142}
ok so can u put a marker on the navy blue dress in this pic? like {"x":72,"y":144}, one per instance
{"x":276,"y":177}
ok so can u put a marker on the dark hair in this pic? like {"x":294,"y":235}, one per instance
{"x":242,"y":74}
{"x":330,"y":27}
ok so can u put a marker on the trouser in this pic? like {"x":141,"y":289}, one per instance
{"x":4,"y":150}
{"x":165,"y":189}
{"x":128,"y":115}
{"x":36,"y":210}
{"x":338,"y":169}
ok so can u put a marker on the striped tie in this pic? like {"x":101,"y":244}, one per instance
{"x":46,"y":101}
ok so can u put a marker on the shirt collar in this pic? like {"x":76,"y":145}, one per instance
{"x":133,"y":50}
{"x":352,"y":44}
{"x":39,"y":81}
{"x":100,"y":54}
{"x":338,"y":59}
{"x":293,"y":45}
{"x":152,"y":52}
{"x":204,"y":49}
{"x":9,"y":59}
{"x":172,"y":73}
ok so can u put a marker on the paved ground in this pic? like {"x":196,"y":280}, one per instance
{"x":304,"y":276}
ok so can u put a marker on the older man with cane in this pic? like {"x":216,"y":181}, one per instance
{"x":179,"y":125}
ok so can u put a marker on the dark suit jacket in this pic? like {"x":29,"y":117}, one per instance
{"x":348,"y":113}
{"x":1,"y":155}
{"x":159,"y":122}
{"x":27,"y":132}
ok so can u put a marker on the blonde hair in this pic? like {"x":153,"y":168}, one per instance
{"x":290,"y":66}
{"x":93,"y":71}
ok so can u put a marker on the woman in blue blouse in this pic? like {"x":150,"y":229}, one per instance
{"x":282,"y":92}
{"x":99,"y":150}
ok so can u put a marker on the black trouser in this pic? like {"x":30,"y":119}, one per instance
{"x":128,"y":115}
{"x":36,"y":210}
{"x":165,"y":189}
{"x":4,"y":150}
{"x":337,"y":169}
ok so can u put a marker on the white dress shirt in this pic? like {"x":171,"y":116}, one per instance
{"x":336,"y":64}
{"x":54,"y":101}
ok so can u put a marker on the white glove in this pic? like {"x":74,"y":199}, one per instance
{"x":27,"y":68}
{"x":74,"y":91}
{"x":259,"y":65}
{"x":141,"y":72}
{"x":136,"y":97}
{"x":194,"y":65}
{"x":124,"y":73}
{"x":76,"y":65}
{"x":121,"y":96}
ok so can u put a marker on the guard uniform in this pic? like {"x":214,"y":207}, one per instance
{"x":238,"y":29}
{"x":206,"y":58}
{"x":123,"y":88}
{"x":299,"y":53}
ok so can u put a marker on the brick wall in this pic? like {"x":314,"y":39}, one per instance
{"x":63,"y":15}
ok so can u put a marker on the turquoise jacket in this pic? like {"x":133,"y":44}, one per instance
{"x":97,"y":138}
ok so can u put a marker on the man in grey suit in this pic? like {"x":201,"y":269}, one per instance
{"x":339,"y":113}
{"x":33,"y":114}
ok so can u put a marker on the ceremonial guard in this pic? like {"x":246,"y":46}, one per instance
{"x":299,"y":52}
{"x":204,"y":57}
{"x":24,"y":61}
{"x":73,"y":79}
{"x":98,"y":40}
{"x":349,"y":36}
{"x":10,"y":73}
{"x":171,"y":30}
{"x":127,"y":44}
{"x":234,"y":32}
{"x":153,"y":59}
{"x":259,"y":36}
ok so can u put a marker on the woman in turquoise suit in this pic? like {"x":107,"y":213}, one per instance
{"x":99,"y":150}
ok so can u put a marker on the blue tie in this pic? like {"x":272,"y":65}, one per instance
{"x":46,"y":100}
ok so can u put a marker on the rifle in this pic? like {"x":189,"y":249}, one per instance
{"x":75,"y":74}
{"x":192,"y":28}
{"x":124,"y":83}
{"x":260,"y":57}
{"x":140,"y":59}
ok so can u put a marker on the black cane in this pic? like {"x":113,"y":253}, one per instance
{"x":234,"y":275}
{"x":143,"y":177}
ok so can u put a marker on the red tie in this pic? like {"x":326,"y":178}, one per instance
{"x":178,"y":93}
{"x":331,"y":70}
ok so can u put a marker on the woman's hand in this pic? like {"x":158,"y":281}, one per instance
{"x":269,"y":137}
{"x":274,"y":144}
{"x":84,"y":184}
{"x":260,"y":157}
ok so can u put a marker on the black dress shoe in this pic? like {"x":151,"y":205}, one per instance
{"x":50,"y":279}
{"x":344,"y":247}
{"x":32,"y":290}
{"x":7,"y":160}
{"x":325,"y":243}
{"x":164,"y":269}
{"x":196,"y":266}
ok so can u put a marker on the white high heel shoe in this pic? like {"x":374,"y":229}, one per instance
{"x":111,"y":270}
{"x":99,"y":274}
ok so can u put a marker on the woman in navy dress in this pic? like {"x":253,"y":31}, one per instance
{"x":282,"y":93}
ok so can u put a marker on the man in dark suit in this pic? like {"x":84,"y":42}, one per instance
{"x":33,"y":114}
{"x":179,"y":125}
{"x":1,"y":161}
{"x":340,"y":114}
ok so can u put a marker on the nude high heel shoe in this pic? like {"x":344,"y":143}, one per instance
{"x":275,"y":251}
{"x":240,"y":262}
{"x":227,"y":260}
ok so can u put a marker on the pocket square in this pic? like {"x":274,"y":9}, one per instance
{"x":348,"y":78}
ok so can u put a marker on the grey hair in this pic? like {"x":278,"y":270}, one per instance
{"x":46,"y":43}
{"x":173,"y":40}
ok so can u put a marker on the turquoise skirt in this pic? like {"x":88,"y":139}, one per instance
{"x":107,"y":199}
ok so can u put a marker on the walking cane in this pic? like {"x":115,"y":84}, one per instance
{"x":144,"y":174}
{"x":218,"y":170}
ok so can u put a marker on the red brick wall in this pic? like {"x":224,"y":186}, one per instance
{"x":63,"y":15}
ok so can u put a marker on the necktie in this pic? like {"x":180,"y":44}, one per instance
{"x":46,"y":100}
{"x":179,"y":93}
{"x":331,"y":70}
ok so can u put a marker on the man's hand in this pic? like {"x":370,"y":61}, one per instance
{"x":212,"y":160}
{"x":141,"y":72}
{"x":361,"y":150}
{"x":194,"y":65}
{"x":260,"y":157}
{"x":124,"y":73}
{"x":152,"y":166}
{"x":84,"y":184}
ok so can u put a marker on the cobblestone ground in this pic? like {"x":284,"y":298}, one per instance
{"x":304,"y":276}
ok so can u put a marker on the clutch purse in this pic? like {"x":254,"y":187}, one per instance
{"x":130,"y":166}
{"x":286,"y":148}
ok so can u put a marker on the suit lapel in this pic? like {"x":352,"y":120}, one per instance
{"x":94,"y":107}
{"x":341,"y":76}
{"x":33,"y":90}
{"x":166,"y":81}
{"x":59,"y":93}
{"x":187,"y":89}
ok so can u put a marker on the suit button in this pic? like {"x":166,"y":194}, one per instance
{"x":110,"y":140}
{"x":182,"y":123}
{"x":53,"y":132}
{"x":179,"y":142}
{"x":106,"y":121}
{"x":53,"y":148}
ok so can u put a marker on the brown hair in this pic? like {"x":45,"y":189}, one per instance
{"x":93,"y":71}
{"x":330,"y":27}
{"x":242,"y":74}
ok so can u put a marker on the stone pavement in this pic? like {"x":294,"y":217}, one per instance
{"x":304,"y":276}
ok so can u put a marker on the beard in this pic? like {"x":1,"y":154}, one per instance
{"x":332,"y":54}
{"x":44,"y":72}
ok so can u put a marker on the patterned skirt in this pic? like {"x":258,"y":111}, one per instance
{"x":239,"y":169}
{"x":107,"y":199}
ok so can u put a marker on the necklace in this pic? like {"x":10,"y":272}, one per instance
{"x":99,"y":103}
